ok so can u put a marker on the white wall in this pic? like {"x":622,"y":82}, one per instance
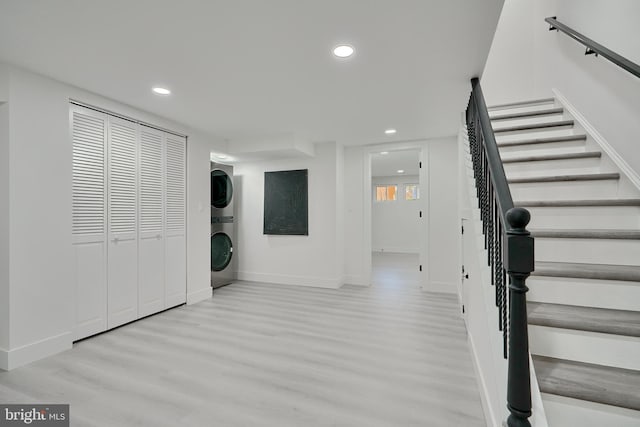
{"x":4,"y":226}
{"x":444,"y":227}
{"x":41,"y":266}
{"x":508,"y":72}
{"x":605,"y":94}
{"x":339,"y":213}
{"x":298,"y":260}
{"x":395,"y":224}
{"x":41,"y":269}
{"x":354,"y":225}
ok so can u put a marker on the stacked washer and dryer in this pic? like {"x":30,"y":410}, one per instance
{"x":223,"y":261}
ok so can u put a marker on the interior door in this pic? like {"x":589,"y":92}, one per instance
{"x":175,"y":221}
{"x":89,"y":216}
{"x":122,"y":264}
{"x":151,"y":250}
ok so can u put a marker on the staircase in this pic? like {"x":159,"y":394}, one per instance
{"x":584,"y":298}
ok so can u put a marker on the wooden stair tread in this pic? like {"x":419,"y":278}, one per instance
{"x":559,"y":178}
{"x":572,"y":203}
{"x":589,"y":234}
{"x":629,"y":273}
{"x":562,"y":156}
{"x":585,"y":381}
{"x":536,"y":126}
{"x":526,"y":114}
{"x":591,"y":319}
{"x":548,"y":140}
{"x":521,"y":103}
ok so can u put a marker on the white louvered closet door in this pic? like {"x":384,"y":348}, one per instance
{"x":151,"y":250}
{"x":89,"y":216}
{"x":175,"y":221}
{"x":122,"y":296}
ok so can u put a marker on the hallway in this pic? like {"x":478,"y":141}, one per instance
{"x":273,"y":355}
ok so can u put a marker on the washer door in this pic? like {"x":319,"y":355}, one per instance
{"x":221,"y":189}
{"x":221,"y":251}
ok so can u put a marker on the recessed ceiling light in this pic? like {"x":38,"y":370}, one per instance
{"x":390,"y":131}
{"x":161,"y":90}
{"x":343,"y":51}
{"x":400,"y":170}
{"x":384,"y":153}
{"x":218,"y":156}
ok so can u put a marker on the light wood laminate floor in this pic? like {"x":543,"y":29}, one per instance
{"x":272,"y":355}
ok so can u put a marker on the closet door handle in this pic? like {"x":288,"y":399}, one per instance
{"x":158,"y":236}
{"x":115,"y":240}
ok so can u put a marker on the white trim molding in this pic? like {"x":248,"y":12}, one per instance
{"x":11,"y":359}
{"x":285,"y":279}
{"x":353,"y":279}
{"x":441,"y":287}
{"x":199,"y":295}
{"x":599,"y":139}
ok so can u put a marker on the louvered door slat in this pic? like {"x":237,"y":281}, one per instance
{"x":88,"y":189}
{"x":151,"y":181}
{"x":175,"y":184}
{"x":122,"y":177}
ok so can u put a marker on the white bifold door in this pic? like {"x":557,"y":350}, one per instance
{"x":128,"y":220}
{"x":122,"y":245}
{"x":152,"y":236}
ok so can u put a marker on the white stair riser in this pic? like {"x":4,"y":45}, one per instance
{"x":522,"y":108}
{"x":563,"y":411}
{"x":613,"y":294}
{"x":498,"y":124}
{"x":588,"y":251}
{"x":546,"y":148}
{"x":564,"y":190}
{"x":588,"y":347}
{"x":526,"y":135}
{"x":551,"y":167}
{"x":535,"y":133}
{"x":585,"y":217}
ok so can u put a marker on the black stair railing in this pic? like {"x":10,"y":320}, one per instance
{"x":593,"y":47}
{"x":510,"y":253}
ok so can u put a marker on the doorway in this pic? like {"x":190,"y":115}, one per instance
{"x":397,"y":219}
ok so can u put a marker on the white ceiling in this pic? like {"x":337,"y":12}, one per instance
{"x":254,"y":69}
{"x":389,"y":164}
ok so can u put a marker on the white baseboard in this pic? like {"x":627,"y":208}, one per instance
{"x":599,"y":139}
{"x":443,"y":287}
{"x":353,"y":279}
{"x":489,"y":415}
{"x":20,"y":356}
{"x":397,"y":250}
{"x":4,"y":359}
{"x":199,"y":295}
{"x":318,"y":282}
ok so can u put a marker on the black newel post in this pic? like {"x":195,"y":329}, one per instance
{"x":519,"y":264}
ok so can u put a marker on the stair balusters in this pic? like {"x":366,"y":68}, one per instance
{"x":510,"y":253}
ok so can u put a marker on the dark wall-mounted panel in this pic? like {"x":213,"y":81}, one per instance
{"x":286,"y":202}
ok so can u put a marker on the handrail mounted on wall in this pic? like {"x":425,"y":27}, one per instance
{"x":594,"y":47}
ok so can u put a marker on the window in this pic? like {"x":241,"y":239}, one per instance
{"x":411,"y":192}
{"x":386,"y":192}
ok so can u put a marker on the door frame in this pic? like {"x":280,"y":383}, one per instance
{"x":422,"y":147}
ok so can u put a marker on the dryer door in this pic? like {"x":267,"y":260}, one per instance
{"x":221,"y":189}
{"x":221,"y":251}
